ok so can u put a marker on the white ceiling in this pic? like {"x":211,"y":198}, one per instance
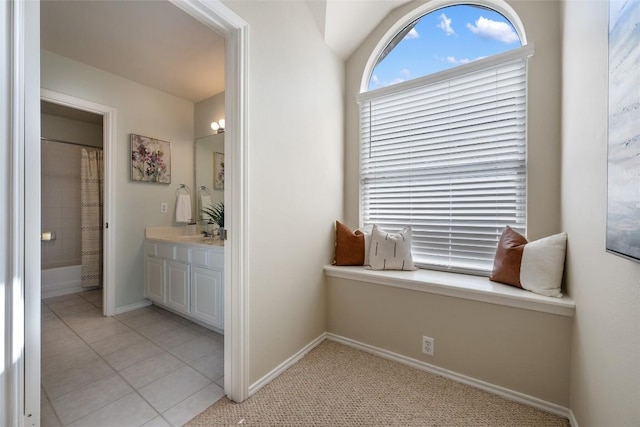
{"x":154,"y":43}
{"x":150,"y":42}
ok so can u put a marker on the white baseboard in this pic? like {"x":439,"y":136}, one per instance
{"x":59,"y":281}
{"x":572,"y":419}
{"x":50,"y":292}
{"x":131,"y":307}
{"x":285,"y":365}
{"x":473,"y":382}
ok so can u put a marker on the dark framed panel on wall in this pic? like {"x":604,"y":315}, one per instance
{"x":623,"y":153}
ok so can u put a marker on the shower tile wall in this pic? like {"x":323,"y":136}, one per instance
{"x":61,"y":204}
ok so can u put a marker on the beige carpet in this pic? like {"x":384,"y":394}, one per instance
{"x":335,"y":385}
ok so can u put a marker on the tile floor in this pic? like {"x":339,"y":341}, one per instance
{"x":147,"y":367}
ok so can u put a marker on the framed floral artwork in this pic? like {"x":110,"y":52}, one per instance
{"x":218,"y":171}
{"x":150,"y":159}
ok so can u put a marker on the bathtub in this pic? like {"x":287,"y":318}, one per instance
{"x":61,"y":281}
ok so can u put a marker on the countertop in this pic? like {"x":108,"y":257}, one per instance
{"x":184,"y":235}
{"x":189,"y":240}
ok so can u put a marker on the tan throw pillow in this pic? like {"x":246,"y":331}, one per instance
{"x":391,"y":251}
{"x":349,"y":246}
{"x":535,"y":266}
{"x":508,"y":258}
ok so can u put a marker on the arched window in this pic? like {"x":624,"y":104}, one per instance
{"x":443,"y":140}
{"x":443,"y":39}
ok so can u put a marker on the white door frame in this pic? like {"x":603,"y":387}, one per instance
{"x":109,"y":146}
{"x":235,"y":30}
{"x":24,"y":318}
{"x":21,"y":391}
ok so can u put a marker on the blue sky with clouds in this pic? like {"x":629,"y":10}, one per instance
{"x":443,"y":39}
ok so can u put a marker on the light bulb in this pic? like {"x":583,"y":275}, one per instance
{"x":222,"y":123}
{"x":215,"y":126}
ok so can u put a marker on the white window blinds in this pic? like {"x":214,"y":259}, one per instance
{"x":448,"y":157}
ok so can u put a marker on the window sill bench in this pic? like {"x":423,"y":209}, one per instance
{"x":464,"y":286}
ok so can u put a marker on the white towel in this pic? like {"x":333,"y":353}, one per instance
{"x":183,"y":208}
{"x":205,"y":202}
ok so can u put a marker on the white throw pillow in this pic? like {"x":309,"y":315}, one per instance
{"x":390,"y":251}
{"x":366,"y":230}
{"x":543,"y":265}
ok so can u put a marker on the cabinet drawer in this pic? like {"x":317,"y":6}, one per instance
{"x":182,"y":253}
{"x":150,"y":249}
{"x":200,"y":257}
{"x":217,"y":260}
{"x":207,"y":258}
{"x":165,"y":251}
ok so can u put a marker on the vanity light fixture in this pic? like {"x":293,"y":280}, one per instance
{"x":218,"y":126}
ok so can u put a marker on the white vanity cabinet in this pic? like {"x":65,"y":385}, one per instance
{"x":177,"y":285}
{"x":154,"y":279}
{"x":206,"y":290}
{"x":187,"y":279}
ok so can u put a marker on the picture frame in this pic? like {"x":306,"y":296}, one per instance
{"x":218,"y":171}
{"x":150,"y":160}
{"x":623,"y":145}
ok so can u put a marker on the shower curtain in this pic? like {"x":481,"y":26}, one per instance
{"x":91,"y":196}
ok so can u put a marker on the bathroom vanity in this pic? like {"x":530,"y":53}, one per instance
{"x":185,"y":274}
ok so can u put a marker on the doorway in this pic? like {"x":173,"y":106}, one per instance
{"x":235,"y":31}
{"x":72,"y":200}
{"x":104,"y":117}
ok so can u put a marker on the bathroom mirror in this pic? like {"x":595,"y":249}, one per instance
{"x":209,"y":154}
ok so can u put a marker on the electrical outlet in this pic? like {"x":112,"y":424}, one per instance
{"x":163,"y":207}
{"x":428,"y":345}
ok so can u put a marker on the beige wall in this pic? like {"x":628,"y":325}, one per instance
{"x":207,"y":111}
{"x":65,"y":129}
{"x":295,"y":177}
{"x":522,"y":350}
{"x":542,"y":26}
{"x":143,"y":111}
{"x":605,"y":362}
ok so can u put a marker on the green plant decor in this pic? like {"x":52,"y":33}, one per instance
{"x":216,"y":212}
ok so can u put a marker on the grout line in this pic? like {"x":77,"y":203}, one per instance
{"x":89,"y":301}
{"x":161,"y":414}
{"x":55,"y":413}
{"x":108,"y":364}
{"x":191,"y":395}
{"x":118,"y":373}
